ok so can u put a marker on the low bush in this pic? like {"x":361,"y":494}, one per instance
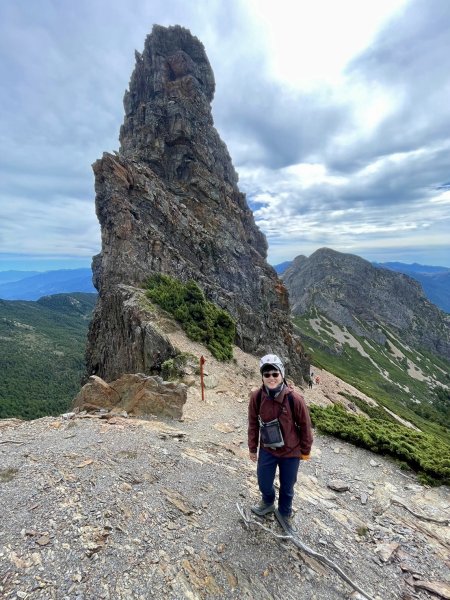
{"x":374,"y":412}
{"x":202,"y":320}
{"x":423,"y":452}
{"x":440,"y":401}
{"x":175,"y":368}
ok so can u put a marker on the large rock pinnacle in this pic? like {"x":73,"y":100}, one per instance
{"x":169,"y":202}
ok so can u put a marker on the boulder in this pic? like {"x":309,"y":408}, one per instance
{"x":96,"y":392}
{"x":137,"y":394}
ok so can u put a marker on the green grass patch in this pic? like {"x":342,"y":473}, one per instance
{"x":202,"y":320}
{"x":384,"y":377}
{"x":424,"y":453}
{"x":7,"y":474}
{"x":174,"y":368}
{"x":127,"y":454}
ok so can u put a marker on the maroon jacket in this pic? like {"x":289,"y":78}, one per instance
{"x":296,"y":441}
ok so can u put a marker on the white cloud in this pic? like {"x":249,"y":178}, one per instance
{"x":335,"y":114}
{"x":310,"y":43}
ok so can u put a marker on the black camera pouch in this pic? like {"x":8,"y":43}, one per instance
{"x":271,"y":435}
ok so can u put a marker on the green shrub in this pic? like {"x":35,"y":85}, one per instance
{"x":202,"y":320}
{"x":374,"y":412}
{"x":441,"y":404}
{"x":175,"y":368}
{"x":362,"y":530}
{"x":425,"y":453}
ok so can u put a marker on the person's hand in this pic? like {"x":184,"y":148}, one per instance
{"x":253,"y":456}
{"x":305,"y":457}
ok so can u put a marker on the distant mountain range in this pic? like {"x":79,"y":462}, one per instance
{"x":29,"y":285}
{"x":281,"y":268}
{"x":32,"y":285}
{"x":411,"y":269}
{"x":435,"y":281}
{"x":9,"y":276}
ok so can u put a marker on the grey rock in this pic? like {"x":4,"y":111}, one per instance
{"x":414,"y":487}
{"x":68,"y":415}
{"x":168,"y":202}
{"x":211,"y":382}
{"x":125,"y":335}
{"x":338,"y":485}
{"x":386,"y":550}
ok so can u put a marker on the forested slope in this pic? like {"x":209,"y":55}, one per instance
{"x":42,"y":348}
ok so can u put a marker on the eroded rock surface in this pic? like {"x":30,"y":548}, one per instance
{"x":136,"y":394}
{"x":169,"y":202}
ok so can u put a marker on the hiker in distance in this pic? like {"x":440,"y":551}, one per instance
{"x":279,"y":423}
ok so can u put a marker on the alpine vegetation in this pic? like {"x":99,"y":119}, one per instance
{"x":202,"y":320}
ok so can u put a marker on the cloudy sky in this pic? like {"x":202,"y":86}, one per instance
{"x":336,"y":115}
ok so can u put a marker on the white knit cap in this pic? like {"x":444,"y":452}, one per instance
{"x":271,"y":360}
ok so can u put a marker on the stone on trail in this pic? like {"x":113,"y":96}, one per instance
{"x":338,"y":485}
{"x":134,"y":394}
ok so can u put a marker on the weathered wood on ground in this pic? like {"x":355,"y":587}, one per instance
{"x":249,"y":520}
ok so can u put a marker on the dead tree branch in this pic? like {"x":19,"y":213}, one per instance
{"x":11,"y":442}
{"x":248,"y":521}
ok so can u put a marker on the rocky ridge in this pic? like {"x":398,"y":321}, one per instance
{"x":105,"y":506}
{"x":168,"y":202}
{"x":354,"y":294}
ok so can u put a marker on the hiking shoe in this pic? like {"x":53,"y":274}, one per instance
{"x":262,"y":508}
{"x":287,"y":522}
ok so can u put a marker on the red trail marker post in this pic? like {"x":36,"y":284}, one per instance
{"x":202,"y":382}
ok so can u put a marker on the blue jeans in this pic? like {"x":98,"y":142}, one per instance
{"x":288,"y":469}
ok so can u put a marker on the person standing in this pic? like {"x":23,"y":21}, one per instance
{"x":280,"y":426}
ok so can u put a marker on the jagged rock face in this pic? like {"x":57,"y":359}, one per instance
{"x":169,"y":202}
{"x":168,"y":121}
{"x":355,"y":294}
{"x":125,"y":337}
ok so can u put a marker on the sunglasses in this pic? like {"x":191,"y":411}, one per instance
{"x":274,"y":375}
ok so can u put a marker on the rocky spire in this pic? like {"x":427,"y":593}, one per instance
{"x":169,"y":202}
{"x":168,"y":121}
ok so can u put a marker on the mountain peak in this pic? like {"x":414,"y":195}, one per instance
{"x":168,"y":121}
{"x":354,"y":293}
{"x":168,"y":203}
